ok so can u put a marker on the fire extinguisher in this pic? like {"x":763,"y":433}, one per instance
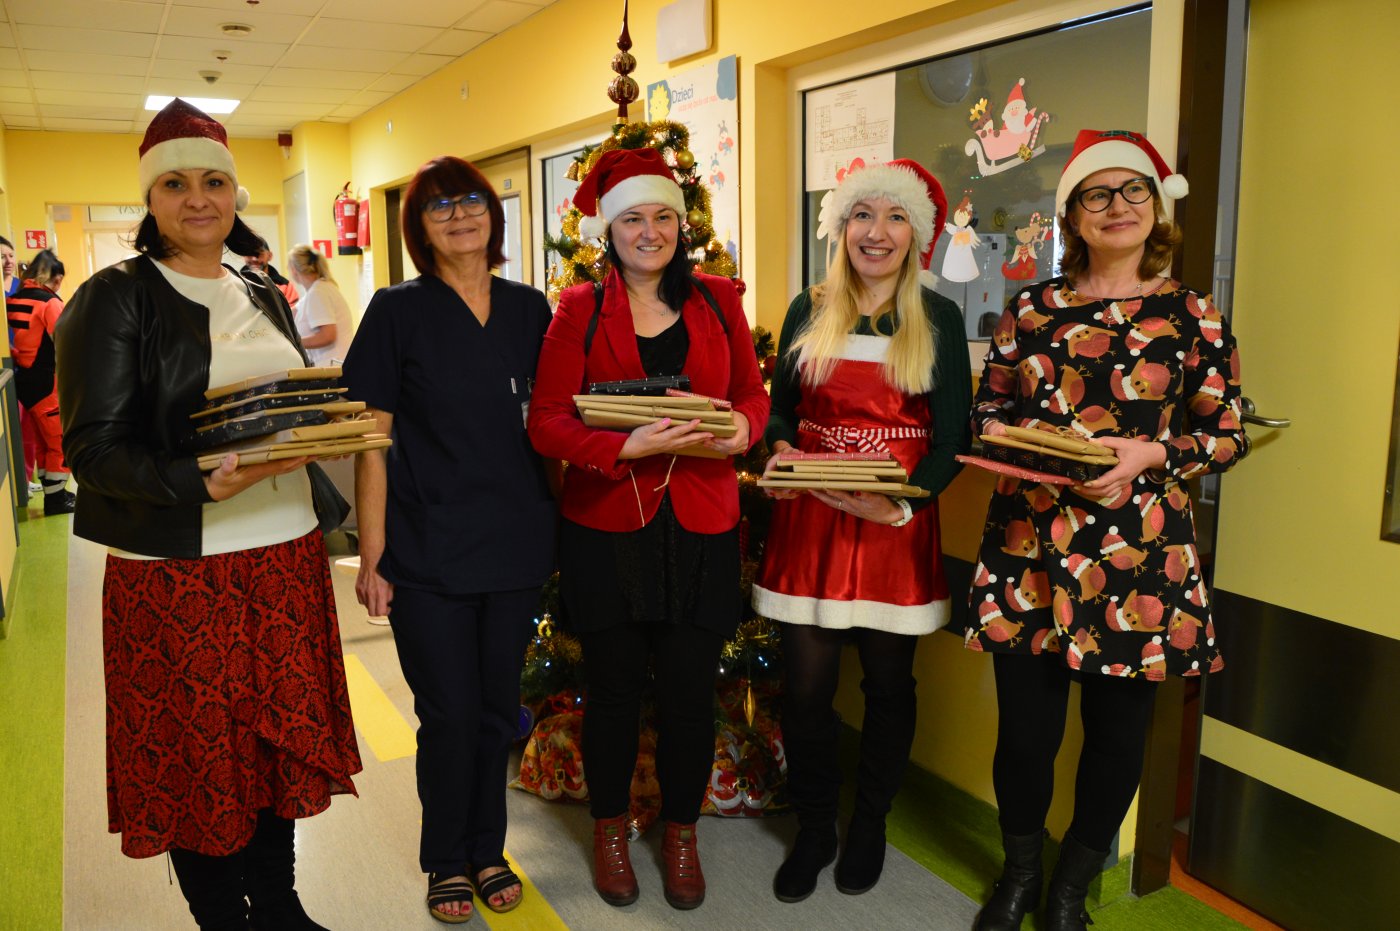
{"x":347,"y":222}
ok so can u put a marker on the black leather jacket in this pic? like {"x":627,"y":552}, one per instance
{"x":133,"y":364}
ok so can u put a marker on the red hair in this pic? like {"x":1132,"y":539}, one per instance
{"x":450,"y":176}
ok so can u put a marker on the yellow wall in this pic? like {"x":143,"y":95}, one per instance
{"x":1313,"y":493}
{"x":322,"y":151}
{"x":45,"y":168}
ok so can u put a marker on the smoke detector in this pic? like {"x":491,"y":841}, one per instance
{"x":236,"y":30}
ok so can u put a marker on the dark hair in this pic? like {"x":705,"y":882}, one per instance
{"x":44,"y":267}
{"x":676,"y":277}
{"x":451,"y":176}
{"x":1156,"y":252}
{"x":241,"y":239}
{"x":6,"y":242}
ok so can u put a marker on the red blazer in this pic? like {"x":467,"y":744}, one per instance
{"x":601,"y":491}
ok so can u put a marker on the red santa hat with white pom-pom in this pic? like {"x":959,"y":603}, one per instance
{"x":620,"y":180}
{"x":1098,"y":150}
{"x":902,"y":181}
{"x":183,"y":137}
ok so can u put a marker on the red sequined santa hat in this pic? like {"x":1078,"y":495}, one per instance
{"x":623,"y":179}
{"x":902,"y":181}
{"x":1097,"y":150}
{"x":182,"y":137}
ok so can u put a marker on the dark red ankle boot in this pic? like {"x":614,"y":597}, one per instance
{"x":612,"y":864}
{"x":680,"y":865}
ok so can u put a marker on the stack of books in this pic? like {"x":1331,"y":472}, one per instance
{"x":878,"y":473}
{"x":629,"y":411}
{"x":281,"y":415}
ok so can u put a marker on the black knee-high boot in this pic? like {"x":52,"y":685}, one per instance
{"x":213,"y":887}
{"x":271,"y":877}
{"x":886,"y":737}
{"x":1069,"y":886}
{"x":814,"y":788}
{"x":1017,"y":893}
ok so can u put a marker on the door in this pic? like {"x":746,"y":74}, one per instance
{"x":1296,"y":810}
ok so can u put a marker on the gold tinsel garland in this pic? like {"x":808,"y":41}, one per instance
{"x":586,"y":260}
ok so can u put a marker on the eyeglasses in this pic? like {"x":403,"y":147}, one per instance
{"x":1097,"y":199}
{"x":442,"y":209}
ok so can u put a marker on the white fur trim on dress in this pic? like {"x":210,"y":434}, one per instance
{"x":895,"y":184}
{"x":842,"y":615}
{"x":184,"y":153}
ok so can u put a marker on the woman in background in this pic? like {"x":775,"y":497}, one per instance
{"x":322,"y":316}
{"x":33,"y":312}
{"x":872,"y":359}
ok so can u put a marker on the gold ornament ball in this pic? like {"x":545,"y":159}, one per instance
{"x":685,"y":160}
{"x":695,"y":218}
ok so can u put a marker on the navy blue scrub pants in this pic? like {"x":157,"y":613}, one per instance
{"x":462,"y":655}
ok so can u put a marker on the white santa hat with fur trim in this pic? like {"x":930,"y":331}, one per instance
{"x":182,"y":137}
{"x":1097,"y":150}
{"x":620,"y":180}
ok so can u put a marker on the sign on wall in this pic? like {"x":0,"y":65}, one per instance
{"x":706,"y":101}
{"x":848,"y":122}
{"x":36,"y":239}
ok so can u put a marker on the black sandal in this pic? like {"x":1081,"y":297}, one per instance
{"x":444,"y":889}
{"x":496,"y":884}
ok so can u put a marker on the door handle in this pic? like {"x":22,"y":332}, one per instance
{"x":1248,"y":416}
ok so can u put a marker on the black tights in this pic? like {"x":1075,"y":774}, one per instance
{"x":812,"y":659}
{"x":617,"y":664}
{"x":219,"y":888}
{"x":1032,"y":698}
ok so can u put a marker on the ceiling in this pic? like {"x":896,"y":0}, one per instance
{"x":87,"y":65}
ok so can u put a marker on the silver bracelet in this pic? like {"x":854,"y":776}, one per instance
{"x":908,"y":512}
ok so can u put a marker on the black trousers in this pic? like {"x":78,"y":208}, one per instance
{"x":220,"y":888}
{"x":1032,"y":701}
{"x":462,"y":655}
{"x":617,"y":662}
{"x":812,"y":659}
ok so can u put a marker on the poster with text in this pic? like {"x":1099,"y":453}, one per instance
{"x":852,"y":121}
{"x":706,"y":101}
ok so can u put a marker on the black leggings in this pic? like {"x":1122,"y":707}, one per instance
{"x":618,"y":663}
{"x":1032,"y":698}
{"x":219,"y":888}
{"x":812,"y":659}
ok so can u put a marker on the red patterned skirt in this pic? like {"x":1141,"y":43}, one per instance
{"x":225,"y":694}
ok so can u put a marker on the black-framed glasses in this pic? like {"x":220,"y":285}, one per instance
{"x":441,"y":209}
{"x":1097,"y":199}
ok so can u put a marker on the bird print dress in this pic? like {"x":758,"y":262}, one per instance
{"x":1106,"y":585}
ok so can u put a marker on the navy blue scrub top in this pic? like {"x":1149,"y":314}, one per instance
{"x":468,"y":506}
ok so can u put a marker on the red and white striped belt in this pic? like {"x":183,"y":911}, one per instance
{"x":864,"y":439}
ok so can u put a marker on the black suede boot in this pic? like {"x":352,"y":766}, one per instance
{"x":271,"y":878}
{"x":811,"y":853}
{"x":1069,"y":886}
{"x":863,"y":859}
{"x":213,"y":887}
{"x":1017,"y":893}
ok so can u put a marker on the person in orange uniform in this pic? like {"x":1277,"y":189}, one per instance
{"x":33,"y":313}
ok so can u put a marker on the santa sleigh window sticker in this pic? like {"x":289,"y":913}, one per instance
{"x":995,"y":124}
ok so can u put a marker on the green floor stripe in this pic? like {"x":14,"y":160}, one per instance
{"x":31,"y":741}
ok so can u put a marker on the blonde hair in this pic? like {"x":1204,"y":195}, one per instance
{"x":1157,"y":251}
{"x":308,"y":261}
{"x":835,"y":312}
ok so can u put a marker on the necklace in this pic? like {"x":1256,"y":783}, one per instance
{"x":1108,"y":300}
{"x":660,"y":308}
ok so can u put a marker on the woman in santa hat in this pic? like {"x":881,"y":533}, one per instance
{"x":649,"y":547}
{"x":1114,"y":350}
{"x":227,"y":709}
{"x":870,"y":360}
